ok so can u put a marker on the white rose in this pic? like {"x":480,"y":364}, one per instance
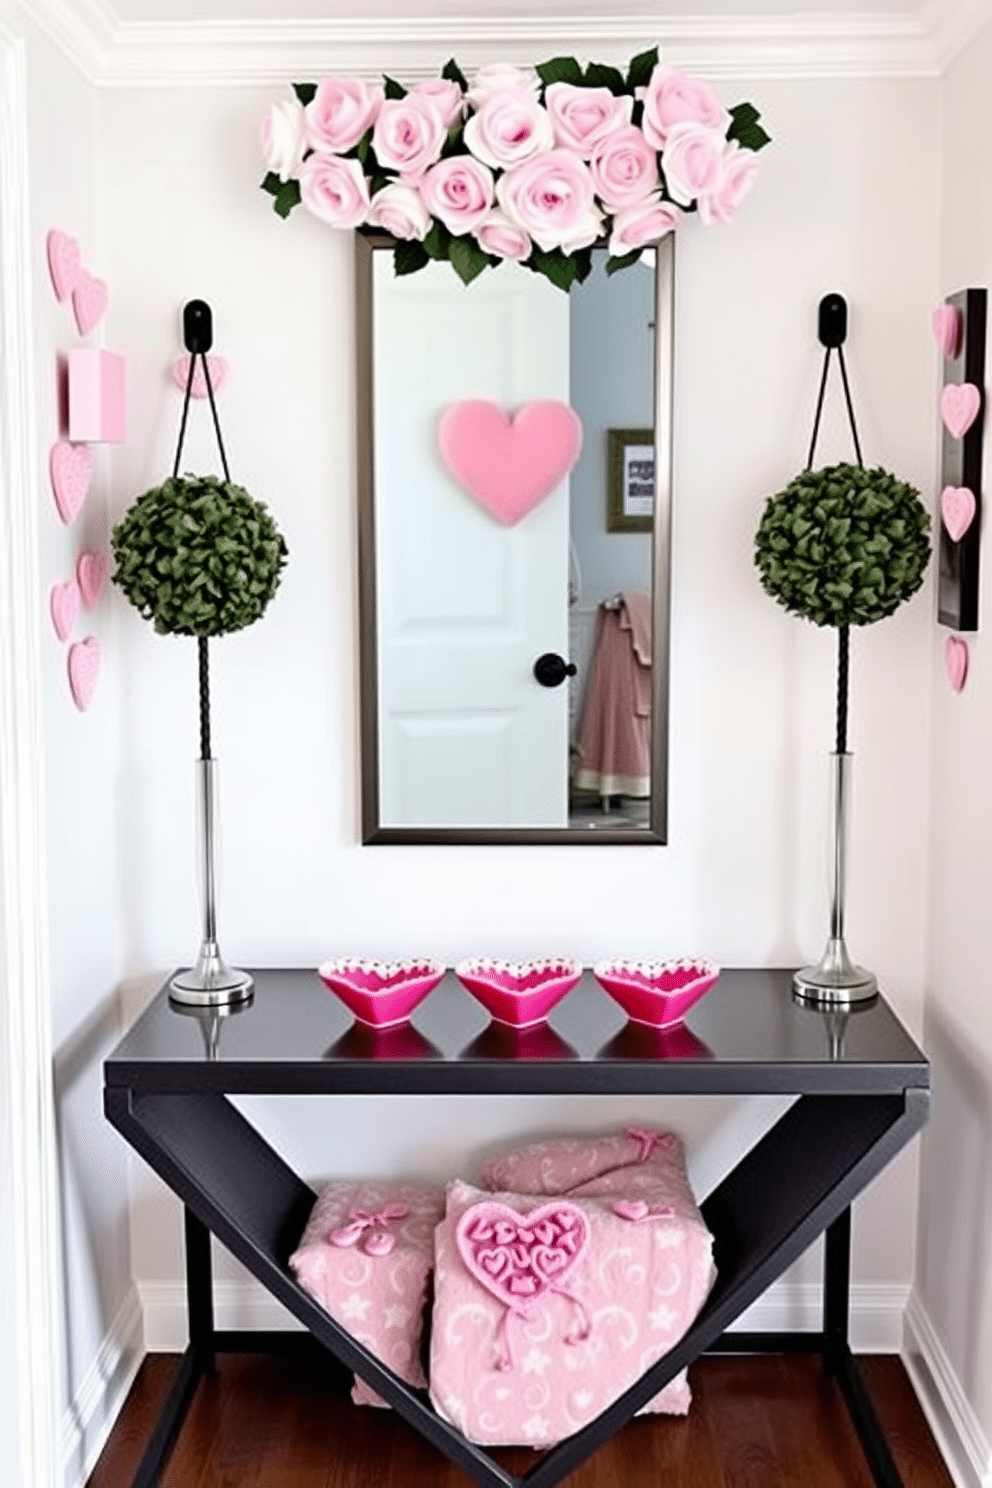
{"x":499,"y":77}
{"x":283,"y":138}
{"x":399,"y":209}
{"x":509,"y":128}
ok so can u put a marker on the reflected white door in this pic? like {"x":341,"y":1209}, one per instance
{"x":465,"y":606}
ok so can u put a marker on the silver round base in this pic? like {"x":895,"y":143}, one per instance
{"x":835,"y":981}
{"x":211,"y":983}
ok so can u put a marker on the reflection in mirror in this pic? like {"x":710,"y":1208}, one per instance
{"x":514,"y":666}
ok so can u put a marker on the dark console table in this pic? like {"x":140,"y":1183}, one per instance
{"x":862,"y":1088}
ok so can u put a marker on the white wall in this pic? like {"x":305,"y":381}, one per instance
{"x":845,"y":200}
{"x":100,"y":1325}
{"x":953,"y":1308}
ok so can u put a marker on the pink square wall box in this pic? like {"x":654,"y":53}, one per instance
{"x":96,"y":396}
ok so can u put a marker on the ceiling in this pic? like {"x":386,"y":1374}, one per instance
{"x":171,"y":42}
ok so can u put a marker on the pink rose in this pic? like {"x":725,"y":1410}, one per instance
{"x":408,"y":136}
{"x":736,"y":179}
{"x":671,"y":97}
{"x":398,"y":209}
{"x":624,"y":169}
{"x":503,"y":238}
{"x":644,"y":223}
{"x":340,"y":112}
{"x":502,"y":77}
{"x":283,"y":138}
{"x":334,"y":189}
{"x":692,"y":161}
{"x":508,"y":128}
{"x":583,"y":118}
{"x":446,"y":96}
{"x":459,"y":191}
{"x":551,"y":196}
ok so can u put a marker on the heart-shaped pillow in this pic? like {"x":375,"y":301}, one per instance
{"x":510,"y":464}
{"x":520,"y":1258}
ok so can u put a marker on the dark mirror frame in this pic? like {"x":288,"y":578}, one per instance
{"x":366,"y":244}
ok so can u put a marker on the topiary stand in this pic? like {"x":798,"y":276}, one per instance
{"x":841,"y":546}
{"x":198,"y":556}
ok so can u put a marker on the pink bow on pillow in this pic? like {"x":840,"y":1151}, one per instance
{"x":378,"y":1242}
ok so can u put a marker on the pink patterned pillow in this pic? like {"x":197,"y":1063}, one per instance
{"x":640,"y":1165}
{"x":546,"y":1310}
{"x":365,"y":1256}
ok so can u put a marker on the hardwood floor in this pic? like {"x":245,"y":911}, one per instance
{"x":265,"y":1421}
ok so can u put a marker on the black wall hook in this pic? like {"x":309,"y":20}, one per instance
{"x":833,"y":320}
{"x":198,"y":326}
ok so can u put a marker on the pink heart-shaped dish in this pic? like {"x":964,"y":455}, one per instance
{"x":381,"y":994}
{"x":658,"y":993}
{"x":520,"y":994}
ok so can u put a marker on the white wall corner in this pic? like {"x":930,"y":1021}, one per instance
{"x":95,"y":1406}
{"x":947,"y":1408}
{"x":951,"y":26}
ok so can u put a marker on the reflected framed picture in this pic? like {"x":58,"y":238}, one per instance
{"x":629,"y":480}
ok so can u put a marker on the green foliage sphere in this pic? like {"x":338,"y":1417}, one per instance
{"x":198,"y":556}
{"x":843,"y":545}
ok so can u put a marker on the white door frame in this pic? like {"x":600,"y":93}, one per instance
{"x":25,"y":983}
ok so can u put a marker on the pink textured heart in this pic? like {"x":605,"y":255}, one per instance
{"x":956,"y":661}
{"x":71,"y":471}
{"x":64,"y":262}
{"x":64,"y":605}
{"x":510,"y":465}
{"x":218,"y":375}
{"x":959,"y":405}
{"x":84,"y":668}
{"x":90,"y":298}
{"x":527,"y":1266}
{"x":91,"y":570}
{"x":957,"y":508}
{"x":948,"y":324}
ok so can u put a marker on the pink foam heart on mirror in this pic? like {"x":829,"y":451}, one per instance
{"x":520,"y":1273}
{"x":64,"y":262}
{"x":218,"y":375}
{"x":84,"y":669}
{"x":960,"y":403}
{"x":91,"y":570}
{"x":956,"y":661}
{"x":90,"y":298}
{"x":510,"y":464}
{"x":71,"y":470}
{"x":948,"y":326}
{"x":957,"y":508}
{"x":63,"y":603}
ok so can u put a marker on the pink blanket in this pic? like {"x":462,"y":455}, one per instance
{"x":615,"y":739}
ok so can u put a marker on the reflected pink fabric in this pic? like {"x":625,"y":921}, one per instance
{"x":615,"y":739}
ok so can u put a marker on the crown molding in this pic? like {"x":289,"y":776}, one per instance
{"x":116,"y":53}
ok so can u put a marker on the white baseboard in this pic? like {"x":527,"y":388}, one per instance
{"x":102,"y":1391}
{"x":948,"y":1410}
{"x":876,"y":1312}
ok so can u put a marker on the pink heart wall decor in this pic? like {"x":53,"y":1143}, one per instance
{"x":218,"y":375}
{"x":91,"y":570}
{"x":510,"y":465}
{"x":64,"y":605}
{"x":71,"y":470}
{"x":90,"y":298}
{"x":956,"y":661}
{"x":957,"y":508}
{"x":948,"y":328}
{"x":64,"y":262}
{"x":959,"y":406}
{"x":84,"y":669}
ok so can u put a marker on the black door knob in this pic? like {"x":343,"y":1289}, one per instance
{"x":552,"y":669}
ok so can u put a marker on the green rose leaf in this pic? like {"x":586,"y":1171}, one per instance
{"x":408,"y":257}
{"x":272,"y":184}
{"x":640,"y":69}
{"x":437,"y":243}
{"x":305,"y":92}
{"x":597,"y":75}
{"x":454,"y":74}
{"x":560,"y":268}
{"x":560,"y":70}
{"x":623,"y":261}
{"x":467,"y":259}
{"x":392,"y":88}
{"x":287,"y":198}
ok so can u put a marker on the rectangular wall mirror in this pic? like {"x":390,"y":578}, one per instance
{"x":462,"y":741}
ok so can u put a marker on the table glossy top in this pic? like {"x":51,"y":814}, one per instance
{"x":746,"y":1035}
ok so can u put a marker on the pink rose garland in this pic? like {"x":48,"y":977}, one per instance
{"x":582,"y":118}
{"x":509,"y":128}
{"x":340,"y":112}
{"x":624,"y":169}
{"x":335,"y":190}
{"x":459,"y":192}
{"x":671,"y":98}
{"x":552,"y":198}
{"x":408,"y":135}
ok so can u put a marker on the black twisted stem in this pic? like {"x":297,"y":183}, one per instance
{"x":203,"y":651}
{"x":843,"y":631}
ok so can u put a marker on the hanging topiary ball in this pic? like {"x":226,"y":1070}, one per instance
{"x":843,"y":545}
{"x":198,"y":556}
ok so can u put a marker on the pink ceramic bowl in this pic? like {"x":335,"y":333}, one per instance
{"x":381,"y":994}
{"x":520,"y":994}
{"x":658,"y":993}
